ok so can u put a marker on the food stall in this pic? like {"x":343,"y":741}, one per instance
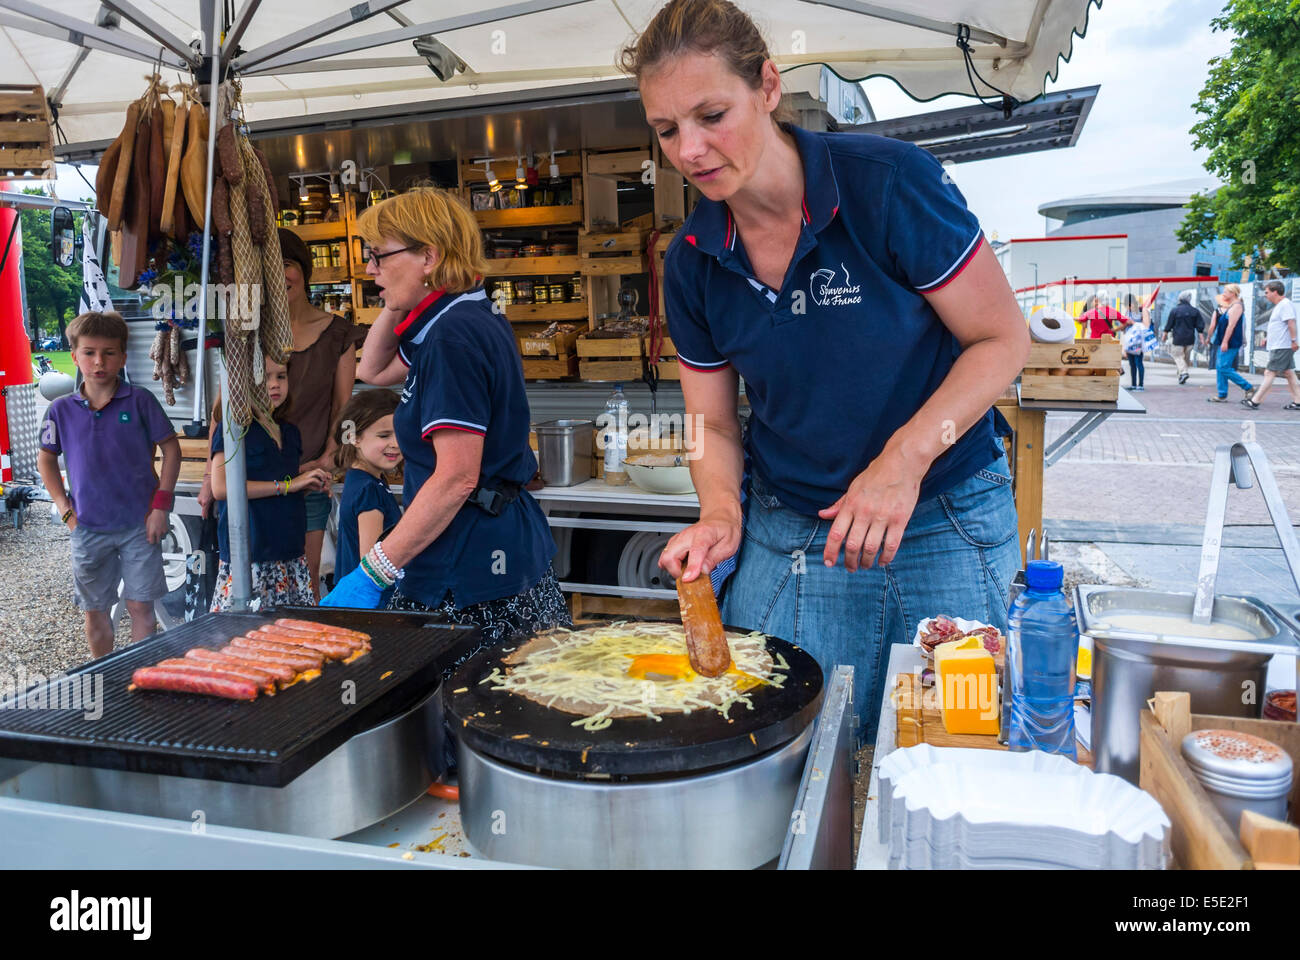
{"x":258,"y":783}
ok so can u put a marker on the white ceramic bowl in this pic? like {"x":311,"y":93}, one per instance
{"x":659,"y":473}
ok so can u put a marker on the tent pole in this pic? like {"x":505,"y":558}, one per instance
{"x":236,"y":451}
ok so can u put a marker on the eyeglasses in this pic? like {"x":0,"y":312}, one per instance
{"x":376,"y":257}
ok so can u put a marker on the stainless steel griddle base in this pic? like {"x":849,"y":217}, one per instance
{"x":734,"y":818}
{"x":369,"y":777}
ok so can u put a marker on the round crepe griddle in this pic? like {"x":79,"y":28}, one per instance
{"x":519,"y":731}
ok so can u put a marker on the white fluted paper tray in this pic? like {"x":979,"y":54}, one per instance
{"x":943,"y":814}
{"x":905,"y":760}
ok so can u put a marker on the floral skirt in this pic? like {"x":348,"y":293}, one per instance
{"x":275,"y":583}
{"x":540,"y":607}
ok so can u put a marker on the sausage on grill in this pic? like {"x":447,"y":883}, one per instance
{"x":194,"y":681}
{"x":265,"y":682}
{"x":314,"y":627}
{"x":276,"y":671}
{"x":267,"y":645}
{"x":299,"y":664}
{"x":334,"y":647}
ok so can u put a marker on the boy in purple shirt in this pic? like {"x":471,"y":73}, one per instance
{"x":116,"y":508}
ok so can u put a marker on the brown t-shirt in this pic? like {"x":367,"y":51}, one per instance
{"x":311,"y":383}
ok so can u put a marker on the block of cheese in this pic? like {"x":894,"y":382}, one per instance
{"x":966,"y":680}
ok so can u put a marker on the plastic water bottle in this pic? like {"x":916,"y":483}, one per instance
{"x":1043,"y":647}
{"x":616,"y":416}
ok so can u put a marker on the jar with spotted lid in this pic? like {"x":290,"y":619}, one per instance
{"x":1240,"y":771}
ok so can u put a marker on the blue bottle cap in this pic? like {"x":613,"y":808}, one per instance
{"x":1044,"y":575}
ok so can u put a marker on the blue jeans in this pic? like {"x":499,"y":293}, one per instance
{"x":957,"y":557}
{"x":1136,"y":371}
{"x":1225,"y":370}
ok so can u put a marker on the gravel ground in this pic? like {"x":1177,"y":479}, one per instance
{"x":40,"y":626}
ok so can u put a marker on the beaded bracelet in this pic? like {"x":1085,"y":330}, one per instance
{"x":66,"y":514}
{"x":386,"y":565}
{"x":376,"y":577}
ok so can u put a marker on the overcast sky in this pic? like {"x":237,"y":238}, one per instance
{"x":1150,"y":58}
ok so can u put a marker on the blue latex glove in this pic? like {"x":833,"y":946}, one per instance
{"x":355,"y":590}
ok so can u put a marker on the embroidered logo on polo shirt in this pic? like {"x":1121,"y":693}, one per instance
{"x":124,"y":416}
{"x":827,"y":293}
{"x":408,"y":388}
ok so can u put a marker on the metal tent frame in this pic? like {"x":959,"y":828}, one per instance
{"x":1047,"y":27}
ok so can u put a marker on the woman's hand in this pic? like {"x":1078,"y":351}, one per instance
{"x":700,"y":547}
{"x":874,"y":512}
{"x":205,"y":497}
{"x":310,"y":481}
{"x":356,"y":590}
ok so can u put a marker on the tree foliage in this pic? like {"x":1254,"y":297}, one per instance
{"x":52,"y":291}
{"x":1250,"y":107}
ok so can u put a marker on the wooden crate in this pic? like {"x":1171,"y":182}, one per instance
{"x":610,"y":358}
{"x":550,"y":368}
{"x":669,"y":369}
{"x":1082,"y":370}
{"x":26,"y":133}
{"x":1199,"y":836}
{"x":546,"y":312}
{"x":194,"y":455}
{"x":612,"y":254}
{"x":559,"y":345}
{"x":529,"y":217}
{"x":532,"y":266}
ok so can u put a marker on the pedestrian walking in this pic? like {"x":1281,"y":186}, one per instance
{"x":1181,"y":329}
{"x":1225,"y":344}
{"x":1282,"y":344}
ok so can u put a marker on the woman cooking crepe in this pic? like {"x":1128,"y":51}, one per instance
{"x":472,"y":544}
{"x":843,"y":278}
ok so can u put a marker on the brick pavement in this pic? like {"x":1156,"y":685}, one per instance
{"x":1179,"y":427}
{"x":1153,"y":471}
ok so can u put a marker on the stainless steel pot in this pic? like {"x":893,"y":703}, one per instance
{"x":734,"y":818}
{"x":564,"y":451}
{"x":368,"y":778}
{"x":1224,"y":678}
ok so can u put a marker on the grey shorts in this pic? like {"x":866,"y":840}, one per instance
{"x":1280,"y":361}
{"x":102,"y":559}
{"x":318,"y":510}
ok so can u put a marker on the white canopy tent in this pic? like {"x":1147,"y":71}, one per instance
{"x":299,"y":59}
{"x":330,"y":56}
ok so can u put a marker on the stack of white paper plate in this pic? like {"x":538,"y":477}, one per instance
{"x":976,"y":809}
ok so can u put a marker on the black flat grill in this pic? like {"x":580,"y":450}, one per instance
{"x":269,"y":741}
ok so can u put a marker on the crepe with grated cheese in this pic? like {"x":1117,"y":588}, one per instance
{"x":628,"y":669}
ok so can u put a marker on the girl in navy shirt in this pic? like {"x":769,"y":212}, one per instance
{"x":367,"y":450}
{"x":277,"y":510}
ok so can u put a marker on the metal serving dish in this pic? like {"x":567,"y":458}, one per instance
{"x":369,"y":777}
{"x":1224,"y":677}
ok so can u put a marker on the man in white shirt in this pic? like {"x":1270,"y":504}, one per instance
{"x":1282,"y":345}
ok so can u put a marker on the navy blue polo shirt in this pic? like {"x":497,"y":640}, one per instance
{"x":465,"y":374}
{"x":361,"y":494}
{"x":848,"y":349}
{"x":277,"y":526}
